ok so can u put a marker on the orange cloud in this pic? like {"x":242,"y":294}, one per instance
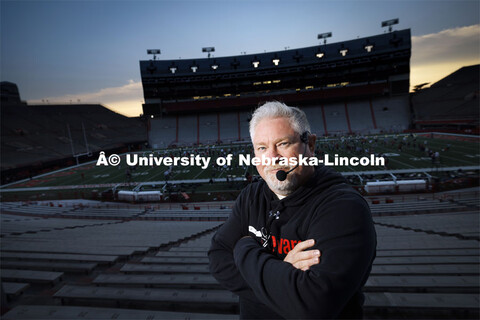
{"x":436,"y":55}
{"x":126,"y":99}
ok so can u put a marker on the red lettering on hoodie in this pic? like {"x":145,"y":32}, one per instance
{"x":283,"y":246}
{"x":274,"y":242}
{"x":293,"y":243}
{"x":286,"y":246}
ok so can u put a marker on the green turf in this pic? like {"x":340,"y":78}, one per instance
{"x":460,"y":153}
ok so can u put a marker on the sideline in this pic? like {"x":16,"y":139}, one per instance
{"x":161,"y":182}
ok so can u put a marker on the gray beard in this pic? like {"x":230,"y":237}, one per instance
{"x":285,"y":187}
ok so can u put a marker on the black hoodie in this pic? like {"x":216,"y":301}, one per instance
{"x":325,"y":209}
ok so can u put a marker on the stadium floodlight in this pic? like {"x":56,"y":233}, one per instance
{"x":154,"y":52}
{"x":324,"y":36}
{"x":209,"y":50}
{"x":368,"y":47}
{"x":389,"y":24}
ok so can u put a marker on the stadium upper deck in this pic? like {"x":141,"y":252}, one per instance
{"x":366,"y":67}
{"x":451,"y":103}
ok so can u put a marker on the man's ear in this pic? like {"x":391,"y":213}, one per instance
{"x":312,"y":138}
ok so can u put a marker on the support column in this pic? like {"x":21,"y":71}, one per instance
{"x":198,"y":129}
{"x":324,"y":121}
{"x":176,"y":130}
{"x":373,"y":114}
{"x":218,"y":127}
{"x":348,"y":118}
{"x":238,"y":125}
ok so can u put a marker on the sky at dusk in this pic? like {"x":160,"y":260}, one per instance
{"x":89,"y":51}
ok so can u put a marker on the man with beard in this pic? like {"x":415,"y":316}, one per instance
{"x":301,"y":242}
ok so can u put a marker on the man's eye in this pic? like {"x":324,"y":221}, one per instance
{"x":284,"y":144}
{"x":261,"y":148}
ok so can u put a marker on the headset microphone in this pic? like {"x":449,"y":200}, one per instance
{"x":282,"y":175}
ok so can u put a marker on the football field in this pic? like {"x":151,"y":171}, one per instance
{"x":407,"y":152}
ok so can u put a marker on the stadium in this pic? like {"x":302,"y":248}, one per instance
{"x":84,"y":236}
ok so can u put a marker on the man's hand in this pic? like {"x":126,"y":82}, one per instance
{"x":302,"y":259}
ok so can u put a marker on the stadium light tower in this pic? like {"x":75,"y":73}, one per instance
{"x":389,"y":24}
{"x":209,"y":50}
{"x":324,"y":36}
{"x":154,"y":52}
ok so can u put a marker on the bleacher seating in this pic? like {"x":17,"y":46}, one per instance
{"x":71,"y":312}
{"x":33,"y":134}
{"x":391,"y":115}
{"x":228,"y":127}
{"x":361,"y":118}
{"x":336,"y":119}
{"x":454,"y":97}
{"x":207,"y":127}
{"x":187,"y":130}
{"x":427,"y":263}
{"x":244,"y":125}
{"x":162,"y":132}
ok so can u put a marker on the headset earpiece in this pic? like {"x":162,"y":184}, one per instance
{"x":304,"y":137}
{"x":282,"y":175}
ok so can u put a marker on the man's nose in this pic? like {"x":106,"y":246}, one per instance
{"x":272,"y":153}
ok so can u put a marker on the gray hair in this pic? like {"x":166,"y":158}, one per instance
{"x":274,"y":109}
